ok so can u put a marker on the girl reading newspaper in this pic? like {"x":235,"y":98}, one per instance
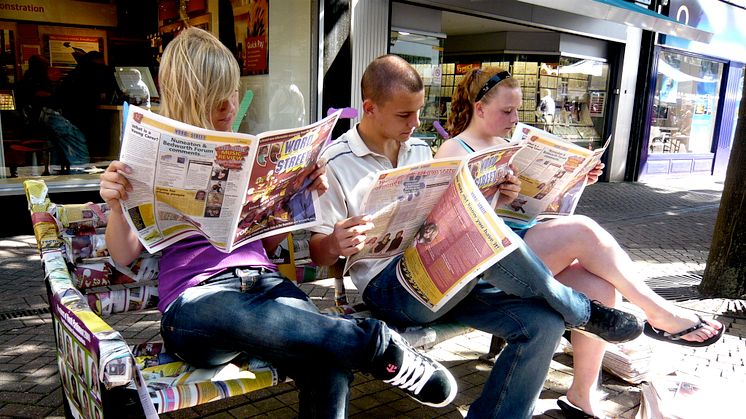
{"x":578,"y":251}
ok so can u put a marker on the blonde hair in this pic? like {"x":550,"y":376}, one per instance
{"x":462,"y":102}
{"x":197,"y":74}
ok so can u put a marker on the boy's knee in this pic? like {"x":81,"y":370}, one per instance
{"x":546,"y":325}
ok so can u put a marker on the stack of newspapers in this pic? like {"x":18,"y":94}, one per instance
{"x":640,"y":360}
{"x":686,"y":397}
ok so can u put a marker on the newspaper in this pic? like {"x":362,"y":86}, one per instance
{"x":232,"y":188}
{"x":435,"y":215}
{"x":688,"y":397}
{"x":553,"y":174}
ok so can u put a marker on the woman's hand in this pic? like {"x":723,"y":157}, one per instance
{"x":114,"y":184}
{"x":319,"y":182}
{"x":595,"y":173}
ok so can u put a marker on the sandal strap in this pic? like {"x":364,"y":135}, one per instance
{"x":685,"y":332}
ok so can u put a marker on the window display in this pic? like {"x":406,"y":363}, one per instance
{"x":685,"y":104}
{"x":566,"y":97}
{"x":424,"y":52}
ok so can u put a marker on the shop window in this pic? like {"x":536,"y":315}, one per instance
{"x":571,"y":100}
{"x":275,"y":52}
{"x":565,"y":96}
{"x":739,"y":100}
{"x":685,"y":104}
{"x":425,"y":53}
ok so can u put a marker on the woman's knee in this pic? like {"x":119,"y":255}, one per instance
{"x":595,"y":288}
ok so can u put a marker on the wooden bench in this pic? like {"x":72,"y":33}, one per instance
{"x":103,"y":374}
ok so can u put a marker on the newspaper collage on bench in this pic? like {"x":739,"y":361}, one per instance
{"x":92,"y":357}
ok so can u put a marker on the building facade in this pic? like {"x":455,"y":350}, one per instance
{"x":301,"y":57}
{"x":691,"y":92}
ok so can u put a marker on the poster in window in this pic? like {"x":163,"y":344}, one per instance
{"x":256,"y":55}
{"x":596,"y":106}
{"x":64,"y":50}
{"x":669,"y":89}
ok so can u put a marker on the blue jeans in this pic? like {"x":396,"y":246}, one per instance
{"x":526,"y":320}
{"x":523,"y":274}
{"x":274,"y":320}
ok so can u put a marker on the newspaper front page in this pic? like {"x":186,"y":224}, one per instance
{"x":552,"y":172}
{"x":188,"y":180}
{"x":435,"y":214}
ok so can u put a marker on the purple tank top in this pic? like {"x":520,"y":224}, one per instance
{"x":188,"y":262}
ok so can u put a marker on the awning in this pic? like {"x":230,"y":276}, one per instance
{"x":627,"y":13}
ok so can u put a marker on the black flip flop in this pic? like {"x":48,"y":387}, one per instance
{"x":676,"y":338}
{"x":571,"y":411}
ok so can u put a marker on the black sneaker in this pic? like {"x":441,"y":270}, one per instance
{"x":611,"y":325}
{"x":422,"y":378}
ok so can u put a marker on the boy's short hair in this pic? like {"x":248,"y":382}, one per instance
{"x":197,"y":73}
{"x":387,"y":74}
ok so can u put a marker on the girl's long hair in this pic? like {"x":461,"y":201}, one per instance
{"x":197,"y":73}
{"x":462,"y":102}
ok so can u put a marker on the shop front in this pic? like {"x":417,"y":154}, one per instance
{"x":568,"y":66}
{"x":68,"y":66}
{"x":695,"y":93}
{"x":585,"y":65}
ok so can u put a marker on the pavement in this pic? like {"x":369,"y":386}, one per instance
{"x":665,"y":226}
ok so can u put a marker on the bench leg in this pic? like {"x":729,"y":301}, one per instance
{"x":496,"y":346}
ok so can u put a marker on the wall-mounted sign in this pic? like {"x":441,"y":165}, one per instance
{"x":63,"y":49}
{"x":722,"y":19}
{"x":256,"y":57}
{"x":60,"y":11}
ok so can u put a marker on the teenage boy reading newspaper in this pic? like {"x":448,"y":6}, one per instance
{"x":217,"y":306}
{"x":393,"y":94}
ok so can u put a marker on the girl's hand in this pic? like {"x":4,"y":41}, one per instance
{"x":319,"y":182}
{"x":114,"y":184}
{"x":510,"y":188}
{"x":595,"y":173}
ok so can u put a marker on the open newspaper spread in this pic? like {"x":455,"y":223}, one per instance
{"x":437,"y":215}
{"x":553,"y":174}
{"x":232,"y":188}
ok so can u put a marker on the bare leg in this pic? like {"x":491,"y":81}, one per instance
{"x":562,"y":241}
{"x":588,"y":352}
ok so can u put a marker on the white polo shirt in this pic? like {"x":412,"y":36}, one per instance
{"x":350,"y":167}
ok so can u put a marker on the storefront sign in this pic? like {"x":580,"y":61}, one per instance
{"x":464,"y":68}
{"x":722,"y":19}
{"x":60,"y":11}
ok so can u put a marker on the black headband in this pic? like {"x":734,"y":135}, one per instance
{"x":497,"y":78}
